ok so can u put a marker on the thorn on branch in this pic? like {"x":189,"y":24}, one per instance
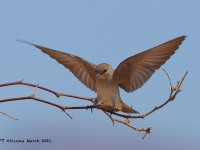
{"x":22,"y":81}
{"x":111,"y":118}
{"x":127,"y":121}
{"x":143,"y":116}
{"x":91,"y":109}
{"x":57,"y":95}
{"x":34,"y":91}
{"x":148,"y":131}
{"x":67,"y":114}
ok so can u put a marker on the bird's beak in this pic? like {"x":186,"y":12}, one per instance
{"x":98,"y":73}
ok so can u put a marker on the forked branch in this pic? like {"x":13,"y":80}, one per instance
{"x":173,"y":93}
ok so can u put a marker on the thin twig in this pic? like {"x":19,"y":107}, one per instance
{"x":8,"y":115}
{"x":168,"y":77}
{"x":127,"y":123}
{"x":179,"y":86}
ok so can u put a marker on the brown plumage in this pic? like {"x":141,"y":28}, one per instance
{"x":130,"y":74}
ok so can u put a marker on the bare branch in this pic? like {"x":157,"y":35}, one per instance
{"x":172,"y":96}
{"x":173,"y":93}
{"x":127,"y":123}
{"x":179,"y":86}
{"x":57,"y":94}
{"x":168,"y":77}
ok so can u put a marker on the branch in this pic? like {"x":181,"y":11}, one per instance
{"x":57,"y":94}
{"x":8,"y":115}
{"x":173,"y":93}
{"x":32,"y":97}
{"x":127,"y":123}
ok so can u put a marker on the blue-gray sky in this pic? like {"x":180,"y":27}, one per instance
{"x":99,"y":31}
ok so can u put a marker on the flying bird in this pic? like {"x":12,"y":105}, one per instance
{"x":131,"y":74}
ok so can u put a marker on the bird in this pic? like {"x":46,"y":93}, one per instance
{"x":130,"y":75}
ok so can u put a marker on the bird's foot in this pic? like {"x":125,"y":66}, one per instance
{"x":112,"y":111}
{"x":94,"y":100}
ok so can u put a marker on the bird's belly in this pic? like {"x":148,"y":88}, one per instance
{"x":109,"y":96}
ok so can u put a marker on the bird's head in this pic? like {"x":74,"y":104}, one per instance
{"x":104,"y":71}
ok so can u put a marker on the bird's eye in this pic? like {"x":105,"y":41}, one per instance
{"x":104,"y":71}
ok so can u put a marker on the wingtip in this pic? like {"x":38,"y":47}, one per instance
{"x":184,"y":36}
{"x":26,"y":42}
{"x":181,"y":38}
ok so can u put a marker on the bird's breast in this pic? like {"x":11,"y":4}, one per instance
{"x":107,"y":89}
{"x":108,"y":94}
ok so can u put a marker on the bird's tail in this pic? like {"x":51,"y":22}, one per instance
{"x":127,"y":109}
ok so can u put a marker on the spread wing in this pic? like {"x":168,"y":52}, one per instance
{"x":135,"y":71}
{"x":82,"y":69}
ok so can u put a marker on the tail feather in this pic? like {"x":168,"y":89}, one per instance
{"x":127,"y":109}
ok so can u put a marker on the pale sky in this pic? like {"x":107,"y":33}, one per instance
{"x":99,"y":31}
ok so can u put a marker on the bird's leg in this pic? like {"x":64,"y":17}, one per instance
{"x":112,"y":110}
{"x":97,"y":102}
{"x":94,"y":100}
